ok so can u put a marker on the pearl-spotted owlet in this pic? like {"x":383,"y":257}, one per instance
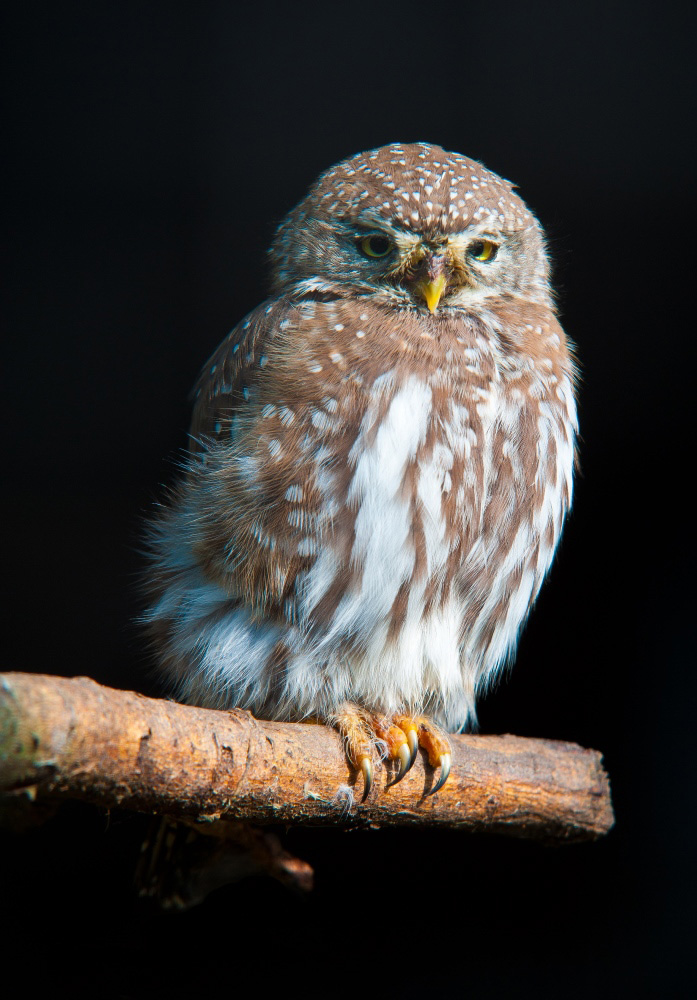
{"x":380,"y":464}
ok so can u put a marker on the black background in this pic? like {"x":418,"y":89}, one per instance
{"x":152,"y":149}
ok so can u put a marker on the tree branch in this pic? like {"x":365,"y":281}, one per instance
{"x":73,"y":738}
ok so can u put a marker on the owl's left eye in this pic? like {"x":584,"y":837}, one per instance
{"x":375,"y":246}
{"x":483,"y":250}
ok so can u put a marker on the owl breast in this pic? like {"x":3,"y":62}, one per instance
{"x":379,"y":524}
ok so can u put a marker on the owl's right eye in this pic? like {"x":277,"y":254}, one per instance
{"x":375,"y":246}
{"x":483,"y":250}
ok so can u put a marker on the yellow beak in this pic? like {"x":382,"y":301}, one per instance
{"x":432,"y":291}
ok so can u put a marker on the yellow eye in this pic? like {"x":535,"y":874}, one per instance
{"x":375,"y":246}
{"x":483,"y":250}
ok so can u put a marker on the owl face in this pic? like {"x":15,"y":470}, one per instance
{"x":415,"y":226}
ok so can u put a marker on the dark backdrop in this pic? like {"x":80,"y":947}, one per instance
{"x":152,"y":149}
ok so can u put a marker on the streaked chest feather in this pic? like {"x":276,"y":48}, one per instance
{"x":381,"y":512}
{"x":382,"y":522}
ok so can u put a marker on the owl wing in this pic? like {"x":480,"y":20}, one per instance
{"x":227,"y":378}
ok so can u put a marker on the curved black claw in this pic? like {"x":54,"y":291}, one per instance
{"x":445,"y":762}
{"x":367,"y":770}
{"x":413,"y":740}
{"x":405,"y":762}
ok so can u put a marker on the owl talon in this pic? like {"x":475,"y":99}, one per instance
{"x":413,"y":738}
{"x":368,"y":738}
{"x":410,"y":729}
{"x":445,"y":762}
{"x":406,"y":759}
{"x":366,"y":766}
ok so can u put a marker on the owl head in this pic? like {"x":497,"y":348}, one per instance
{"x":411,"y":225}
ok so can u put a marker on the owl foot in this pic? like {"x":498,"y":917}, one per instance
{"x":361,"y":741}
{"x":421,"y":732}
{"x":367,"y":737}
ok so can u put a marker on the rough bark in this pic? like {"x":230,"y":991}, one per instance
{"x":73,"y":738}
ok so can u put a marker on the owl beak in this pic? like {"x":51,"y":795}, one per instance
{"x":434,"y":281}
{"x":432,"y":291}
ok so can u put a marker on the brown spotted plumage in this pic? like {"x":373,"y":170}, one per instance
{"x":381,"y":463}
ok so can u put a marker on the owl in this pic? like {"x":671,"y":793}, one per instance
{"x":380,"y":465}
